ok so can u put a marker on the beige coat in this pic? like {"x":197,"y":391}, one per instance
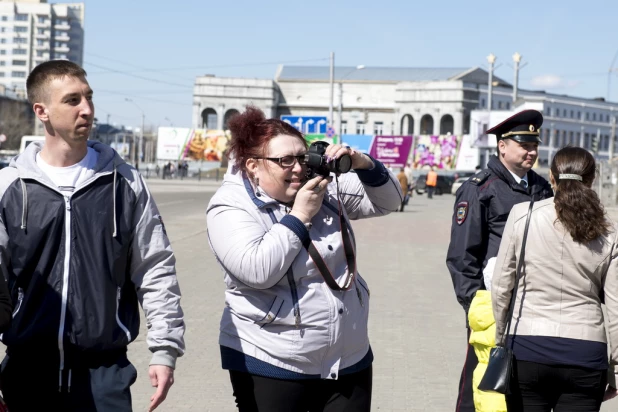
{"x":562,"y":281}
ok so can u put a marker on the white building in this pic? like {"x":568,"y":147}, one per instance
{"x":33,"y":31}
{"x":405,"y":101}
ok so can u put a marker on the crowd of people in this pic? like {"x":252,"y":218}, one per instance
{"x":83,"y":246}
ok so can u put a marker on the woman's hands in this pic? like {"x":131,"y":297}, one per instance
{"x":309,"y":199}
{"x":359,"y":160}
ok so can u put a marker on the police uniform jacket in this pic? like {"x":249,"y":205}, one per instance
{"x":482,"y":206}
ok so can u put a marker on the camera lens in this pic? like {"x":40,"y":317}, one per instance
{"x":343,"y":164}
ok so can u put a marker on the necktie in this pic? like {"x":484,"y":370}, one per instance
{"x":524,"y":184}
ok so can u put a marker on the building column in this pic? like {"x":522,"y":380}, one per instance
{"x":220,"y":113}
{"x":417,"y":122}
{"x":196,"y":121}
{"x":458,"y":122}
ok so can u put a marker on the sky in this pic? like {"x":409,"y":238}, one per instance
{"x":142,"y":57}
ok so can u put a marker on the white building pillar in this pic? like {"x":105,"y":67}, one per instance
{"x":220,"y":113}
{"x":458,"y":122}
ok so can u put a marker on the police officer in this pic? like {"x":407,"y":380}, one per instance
{"x":482,"y":206}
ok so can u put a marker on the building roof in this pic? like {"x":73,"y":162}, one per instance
{"x":377,"y":74}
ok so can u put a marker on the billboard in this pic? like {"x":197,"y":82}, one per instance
{"x":178,"y":143}
{"x":393,"y":151}
{"x":439,"y":151}
{"x":359,"y":142}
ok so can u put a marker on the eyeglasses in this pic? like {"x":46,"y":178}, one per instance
{"x":286,"y":161}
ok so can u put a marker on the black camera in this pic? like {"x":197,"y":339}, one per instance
{"x":317,"y":163}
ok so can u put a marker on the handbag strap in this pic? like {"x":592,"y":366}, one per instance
{"x":518,"y":275}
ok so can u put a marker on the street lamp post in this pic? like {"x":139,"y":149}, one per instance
{"x":359,"y":67}
{"x":141,"y":137}
{"x":491,"y":59}
{"x":332,"y":89}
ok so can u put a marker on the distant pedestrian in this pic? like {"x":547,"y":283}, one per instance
{"x":403,"y":182}
{"x":431,"y":182}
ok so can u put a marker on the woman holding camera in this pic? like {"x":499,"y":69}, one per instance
{"x":558,"y":333}
{"x":294,"y":329}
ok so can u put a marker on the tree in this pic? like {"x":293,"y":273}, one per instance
{"x":16,"y":120}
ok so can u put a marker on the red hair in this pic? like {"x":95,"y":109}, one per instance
{"x":251,"y":132}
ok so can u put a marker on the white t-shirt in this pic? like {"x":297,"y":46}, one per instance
{"x":70,"y":177}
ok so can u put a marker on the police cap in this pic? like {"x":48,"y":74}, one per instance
{"x":522,"y":127}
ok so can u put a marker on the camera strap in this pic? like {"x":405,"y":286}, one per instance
{"x":348,"y":248}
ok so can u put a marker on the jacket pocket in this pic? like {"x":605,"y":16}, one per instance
{"x":118,"y":321}
{"x":273,"y":311}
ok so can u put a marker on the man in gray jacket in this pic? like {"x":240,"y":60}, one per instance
{"x":81,"y":244}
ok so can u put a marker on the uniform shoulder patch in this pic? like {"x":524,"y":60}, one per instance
{"x":479,"y":178}
{"x":461,"y":212}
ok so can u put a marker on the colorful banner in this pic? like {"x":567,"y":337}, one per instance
{"x":393,"y":151}
{"x":175,"y":143}
{"x":439,"y":151}
{"x":359,"y":142}
{"x":310,"y":138}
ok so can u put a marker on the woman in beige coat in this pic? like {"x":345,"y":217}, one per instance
{"x":570,"y":268}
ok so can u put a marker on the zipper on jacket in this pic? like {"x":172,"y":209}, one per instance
{"x":65,"y":283}
{"x":124,"y":328}
{"x":20,"y":297}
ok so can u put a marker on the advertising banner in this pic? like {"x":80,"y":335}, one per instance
{"x":438,"y":151}
{"x":393,"y":151}
{"x":310,"y":138}
{"x":176,"y":143}
{"x":359,"y":142}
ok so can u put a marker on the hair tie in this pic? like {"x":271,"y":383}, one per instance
{"x":569,"y":176}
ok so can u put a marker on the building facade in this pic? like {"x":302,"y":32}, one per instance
{"x":407,"y":101}
{"x":33,"y":31}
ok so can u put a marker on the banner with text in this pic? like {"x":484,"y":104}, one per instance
{"x":393,"y":151}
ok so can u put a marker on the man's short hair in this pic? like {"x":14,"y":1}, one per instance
{"x":45,"y":72}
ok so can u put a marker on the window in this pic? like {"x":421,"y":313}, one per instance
{"x":21,"y":29}
{"x":40,"y":31}
{"x":2,"y":63}
{"x":42,"y":19}
{"x":579,"y":115}
{"x":571,"y":138}
{"x":39,"y":53}
{"x":20,"y":40}
{"x":1,"y":74}
{"x":378,"y":128}
{"x":482,"y":103}
{"x":360,"y":128}
{"x":19,"y":62}
{"x":18,"y":74}
{"x":20,"y":51}
{"x":344,"y":127}
{"x":594,"y":117}
{"x":572,"y":113}
{"x":3,"y":41}
{"x":2,"y":51}
{"x":499,"y":105}
{"x":21,"y":17}
{"x":4,"y":18}
{"x":587,"y":116}
{"x":508,"y":105}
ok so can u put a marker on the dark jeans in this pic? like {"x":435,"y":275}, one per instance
{"x":32,"y":385}
{"x":465,"y":397}
{"x":543,"y":388}
{"x":430,"y":190}
{"x":350,"y":393}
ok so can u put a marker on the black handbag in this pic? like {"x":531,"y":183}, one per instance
{"x":497,"y":377}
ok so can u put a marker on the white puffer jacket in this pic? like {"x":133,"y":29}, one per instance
{"x":278,"y":307}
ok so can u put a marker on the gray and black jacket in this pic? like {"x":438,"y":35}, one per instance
{"x":77,"y":266}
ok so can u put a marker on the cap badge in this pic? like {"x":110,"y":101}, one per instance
{"x":531,"y":128}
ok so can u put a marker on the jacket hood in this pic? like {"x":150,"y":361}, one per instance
{"x":26,"y":166}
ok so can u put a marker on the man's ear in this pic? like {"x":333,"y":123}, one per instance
{"x":41,"y":111}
